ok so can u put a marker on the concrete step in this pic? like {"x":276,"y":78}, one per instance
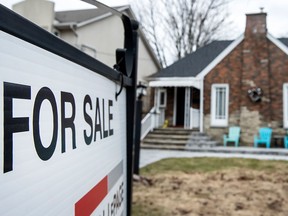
{"x":205,"y":144}
{"x":198,"y":133}
{"x":165,"y":136}
{"x":199,"y":138}
{"x":177,"y":139}
{"x":164,"y":141}
{"x":172,"y":131}
{"x":164,"y":147}
{"x":162,"y":137}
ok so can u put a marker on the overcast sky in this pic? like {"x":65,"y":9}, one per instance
{"x":277,"y":18}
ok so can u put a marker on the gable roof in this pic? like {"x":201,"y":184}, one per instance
{"x":281,"y":43}
{"x":194,"y":63}
{"x":78,"y":18}
{"x":198,"y":63}
{"x":284,"y":41}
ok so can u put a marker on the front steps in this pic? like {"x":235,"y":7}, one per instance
{"x":176,"y":139}
{"x":200,"y":140}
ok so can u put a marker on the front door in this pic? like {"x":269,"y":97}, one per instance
{"x":162,"y":101}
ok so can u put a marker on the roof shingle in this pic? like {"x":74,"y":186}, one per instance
{"x":78,"y":16}
{"x":195,"y":62}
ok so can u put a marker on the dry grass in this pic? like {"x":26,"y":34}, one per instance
{"x":211,"y":186}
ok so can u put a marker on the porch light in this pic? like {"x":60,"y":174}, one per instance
{"x":141,"y":90}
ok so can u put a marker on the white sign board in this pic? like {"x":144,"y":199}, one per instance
{"x":63,"y":137}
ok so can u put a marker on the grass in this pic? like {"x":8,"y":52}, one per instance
{"x":204,"y":165}
{"x":143,"y":210}
{"x":189,"y":165}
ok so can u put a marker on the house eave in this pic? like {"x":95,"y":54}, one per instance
{"x":104,"y":16}
{"x":65,"y":26}
{"x":278,"y":43}
{"x":220,"y":57}
{"x":176,"y":82}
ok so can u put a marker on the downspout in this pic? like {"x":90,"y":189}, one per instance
{"x":202,"y":105}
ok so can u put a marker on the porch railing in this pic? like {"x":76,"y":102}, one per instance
{"x":148,"y":123}
{"x":194,"y":118}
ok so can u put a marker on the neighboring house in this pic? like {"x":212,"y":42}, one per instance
{"x":95,"y":31}
{"x":226,"y":83}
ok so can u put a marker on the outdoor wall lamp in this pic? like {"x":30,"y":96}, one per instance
{"x":141,"y":90}
{"x":255,"y":94}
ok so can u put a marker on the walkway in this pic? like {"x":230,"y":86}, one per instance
{"x":148,"y":156}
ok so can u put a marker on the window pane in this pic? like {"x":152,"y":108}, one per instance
{"x":162,"y":98}
{"x":220,"y":103}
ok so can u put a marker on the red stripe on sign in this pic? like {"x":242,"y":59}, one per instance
{"x":88,"y":203}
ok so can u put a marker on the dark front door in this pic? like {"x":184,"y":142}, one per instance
{"x":180,"y":107}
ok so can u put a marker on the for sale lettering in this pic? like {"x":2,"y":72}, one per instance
{"x":95,"y":129}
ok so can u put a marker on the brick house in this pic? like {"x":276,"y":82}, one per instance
{"x":228,"y":83}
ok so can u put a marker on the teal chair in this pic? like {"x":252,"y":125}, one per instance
{"x":233,"y":136}
{"x":264,"y":137}
{"x":286,"y":141}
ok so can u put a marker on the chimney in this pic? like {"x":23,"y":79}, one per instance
{"x":41,"y":12}
{"x":256,"y":76}
{"x":256,"y":24}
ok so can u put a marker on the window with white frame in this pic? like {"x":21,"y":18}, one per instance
{"x":162,"y":98}
{"x":219,"y":105}
{"x":285,"y":105}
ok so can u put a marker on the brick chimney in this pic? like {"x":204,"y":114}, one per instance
{"x":256,"y":24}
{"x":255,"y":75}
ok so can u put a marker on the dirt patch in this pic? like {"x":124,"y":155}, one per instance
{"x":229,"y":192}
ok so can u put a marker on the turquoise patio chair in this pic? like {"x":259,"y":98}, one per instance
{"x":286,"y":141}
{"x":264,"y":137}
{"x":233,"y":136}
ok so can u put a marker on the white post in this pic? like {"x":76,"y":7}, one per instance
{"x":175,"y":106}
{"x":202,"y":105}
{"x":187,"y":108}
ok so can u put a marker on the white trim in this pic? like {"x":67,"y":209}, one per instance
{"x":95,"y":19}
{"x":103,"y":16}
{"x":220,"y":57}
{"x":219,"y":122}
{"x":278,"y":43}
{"x":187,"y":108}
{"x":175,"y":106}
{"x":159,"y":98}
{"x":202,"y":106}
{"x":285,"y":105}
{"x":176,"y":82}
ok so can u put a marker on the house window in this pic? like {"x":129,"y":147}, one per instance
{"x":219,"y":105}
{"x":285,"y":105}
{"x":162,"y":98}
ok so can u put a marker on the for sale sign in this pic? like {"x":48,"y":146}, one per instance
{"x":63,"y":138}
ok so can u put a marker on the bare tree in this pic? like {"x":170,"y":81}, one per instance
{"x":152,"y":24}
{"x":179,"y":27}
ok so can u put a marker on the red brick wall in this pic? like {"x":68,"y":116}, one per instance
{"x":227,"y":71}
{"x":255,"y":62}
{"x":279,"y":76}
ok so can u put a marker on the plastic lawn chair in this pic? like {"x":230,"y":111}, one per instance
{"x":286,"y":141}
{"x":264,"y":137}
{"x":233,"y":136}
